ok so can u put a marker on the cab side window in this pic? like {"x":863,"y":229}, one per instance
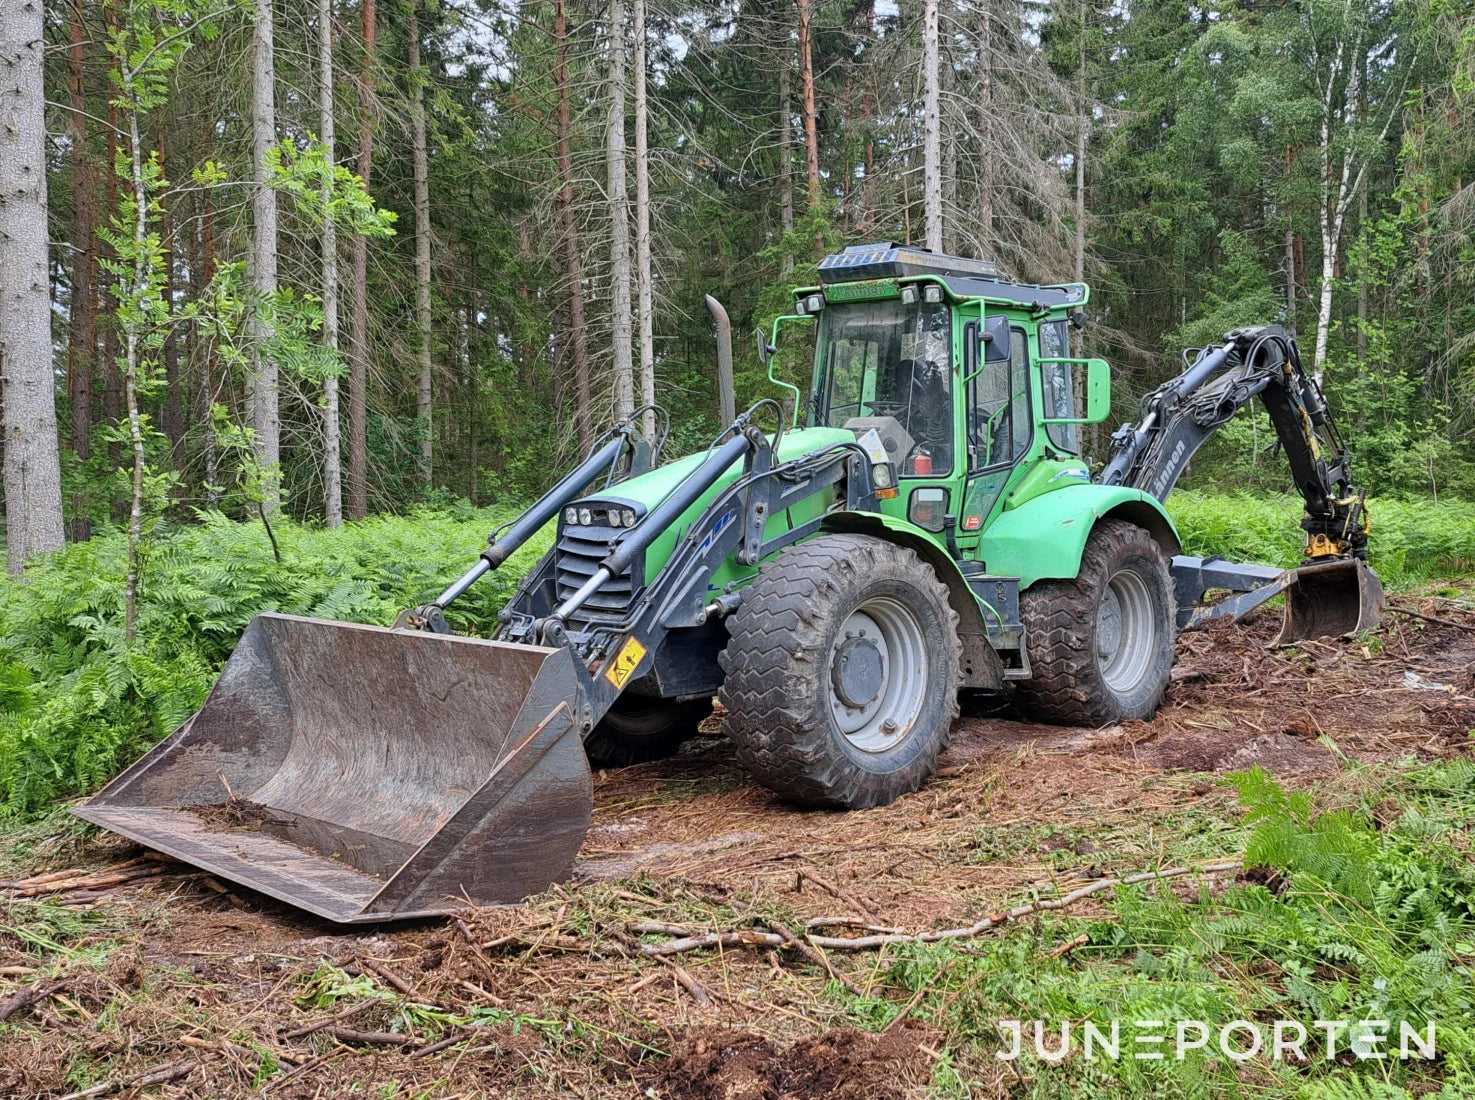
{"x":999,"y":423}
{"x":1057,"y":385}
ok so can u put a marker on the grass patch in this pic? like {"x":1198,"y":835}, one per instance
{"x":1364,"y":910}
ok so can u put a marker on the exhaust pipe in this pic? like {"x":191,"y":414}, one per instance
{"x":726,"y":395}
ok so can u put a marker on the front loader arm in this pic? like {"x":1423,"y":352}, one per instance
{"x":1179,"y":417}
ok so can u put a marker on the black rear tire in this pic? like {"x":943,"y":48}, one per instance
{"x":1101,"y":646}
{"x":639,"y":729}
{"x":801,"y":661}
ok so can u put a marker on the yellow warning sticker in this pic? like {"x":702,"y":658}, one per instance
{"x":625,"y":662}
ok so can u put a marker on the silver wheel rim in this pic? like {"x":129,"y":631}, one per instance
{"x":1126,"y":631}
{"x":890,"y":632}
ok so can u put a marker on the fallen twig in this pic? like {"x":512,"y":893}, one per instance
{"x":866,"y":943}
{"x":713,"y":939}
{"x":30,"y":995}
{"x":688,"y":983}
{"x":1431,"y":618}
{"x":791,"y":940}
{"x":823,"y":884}
{"x":372,"y":1038}
{"x":157,"y":1076}
{"x":389,"y":976}
{"x":1066,"y":947}
{"x":308,"y":1029}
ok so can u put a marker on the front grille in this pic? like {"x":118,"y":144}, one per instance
{"x":578,"y":554}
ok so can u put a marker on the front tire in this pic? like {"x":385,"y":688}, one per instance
{"x":842,"y":673}
{"x":639,"y":729}
{"x":1101,"y":646}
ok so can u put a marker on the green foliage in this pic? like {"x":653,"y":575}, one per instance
{"x":1339,"y":919}
{"x":1411,"y":540}
{"x":78,"y":702}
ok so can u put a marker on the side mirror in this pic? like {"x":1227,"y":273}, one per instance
{"x":765,"y":349}
{"x":1098,"y":390}
{"x":995,"y":338}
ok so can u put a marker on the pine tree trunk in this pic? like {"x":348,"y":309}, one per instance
{"x":358,"y":293}
{"x":568,"y":231}
{"x":82,"y":339}
{"x":1083,"y":129}
{"x":931,"y":130}
{"x":421,"y":163}
{"x":210,"y":362}
{"x":785,"y":152}
{"x":986,"y":151}
{"x":332,"y":460}
{"x":619,"y":203}
{"x":32,"y":469}
{"x":868,"y":115}
{"x":811,"y":118}
{"x":262,"y":397}
{"x":643,"y":278}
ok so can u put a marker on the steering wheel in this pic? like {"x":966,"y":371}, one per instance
{"x":887,"y":407}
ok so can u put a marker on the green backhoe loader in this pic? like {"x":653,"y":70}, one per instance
{"x":836,"y":571}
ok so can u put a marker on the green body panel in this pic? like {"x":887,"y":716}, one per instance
{"x":1043,"y":537}
{"x":1047,"y":476}
{"x":649,"y":489}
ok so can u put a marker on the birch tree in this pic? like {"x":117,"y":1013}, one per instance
{"x":262,"y":394}
{"x":33,"y":516}
{"x":332,"y":460}
{"x":619,"y":208}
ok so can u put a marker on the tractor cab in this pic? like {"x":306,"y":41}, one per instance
{"x":965,"y":378}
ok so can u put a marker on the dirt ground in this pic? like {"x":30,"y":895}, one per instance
{"x":174,"y":984}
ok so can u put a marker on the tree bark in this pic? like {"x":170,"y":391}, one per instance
{"x":133,"y":348}
{"x":82,"y":340}
{"x":332,"y":460}
{"x":421,"y":164}
{"x":985,"y":129}
{"x":619,"y":203}
{"x":358,"y":301}
{"x":811,"y":118}
{"x":32,"y":469}
{"x":1082,"y":132}
{"x":931,"y":130}
{"x":578,"y":338}
{"x":262,"y":397}
{"x":785,"y":152}
{"x":644,"y":279}
{"x":172,"y":420}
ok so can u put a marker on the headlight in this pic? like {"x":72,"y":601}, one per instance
{"x":629,"y":517}
{"x":570,"y":516}
{"x":614,"y":517}
{"x":933,"y":294}
{"x":586,"y":517}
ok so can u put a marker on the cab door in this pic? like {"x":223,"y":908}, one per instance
{"x":1000,"y":427}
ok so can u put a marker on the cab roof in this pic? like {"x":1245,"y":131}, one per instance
{"x":963,"y":276}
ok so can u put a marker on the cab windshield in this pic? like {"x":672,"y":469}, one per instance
{"x":888,"y":366}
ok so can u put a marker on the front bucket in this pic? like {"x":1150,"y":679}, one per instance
{"x":1330,"y":600}
{"x":367,"y":774}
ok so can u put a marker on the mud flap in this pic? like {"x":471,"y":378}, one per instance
{"x":1330,"y":600}
{"x":367,"y":774}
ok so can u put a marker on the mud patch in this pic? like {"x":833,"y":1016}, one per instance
{"x":845,"y":1064}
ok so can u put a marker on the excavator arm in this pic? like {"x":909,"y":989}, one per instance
{"x":1333,"y":592}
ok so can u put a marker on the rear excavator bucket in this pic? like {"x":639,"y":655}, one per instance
{"x":1329,"y":600}
{"x":367,"y":774}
